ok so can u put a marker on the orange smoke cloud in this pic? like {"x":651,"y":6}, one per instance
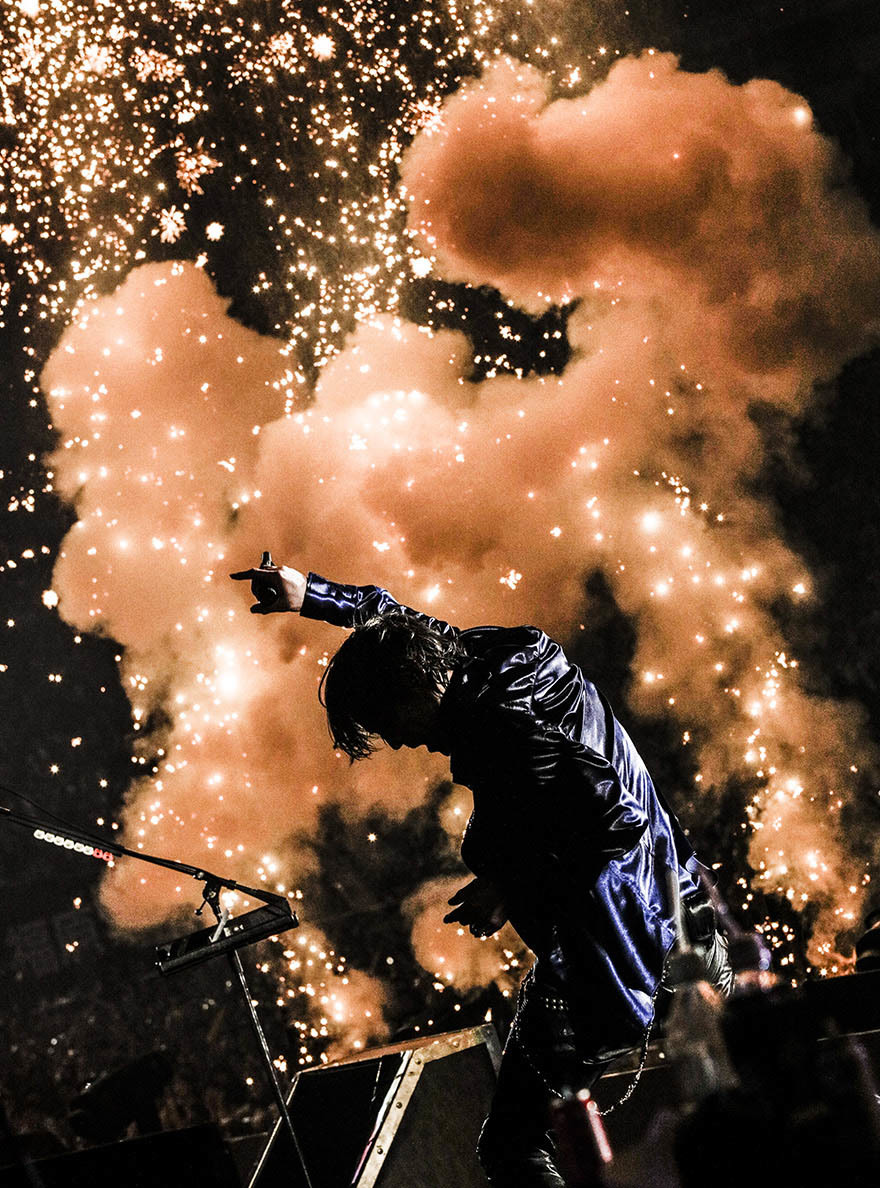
{"x":161,"y":398}
{"x":656,"y":179}
{"x":737,"y":271}
{"x":450,"y":953}
{"x":345,"y":1004}
{"x":718,"y":262}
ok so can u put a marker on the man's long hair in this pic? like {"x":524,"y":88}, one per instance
{"x":376,"y":670}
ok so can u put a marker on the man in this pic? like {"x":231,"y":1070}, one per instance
{"x":568,"y":838}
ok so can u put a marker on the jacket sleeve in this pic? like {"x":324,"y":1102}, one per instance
{"x":350,"y":606}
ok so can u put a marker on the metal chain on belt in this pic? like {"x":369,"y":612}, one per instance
{"x":560,"y":1004}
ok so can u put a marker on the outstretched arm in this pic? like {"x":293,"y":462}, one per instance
{"x":282,"y":588}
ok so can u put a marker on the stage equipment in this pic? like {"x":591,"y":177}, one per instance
{"x":403,"y":1116}
{"x":201,"y":946}
{"x":227,"y":937}
{"x":194,"y":1156}
{"x":106,"y":1106}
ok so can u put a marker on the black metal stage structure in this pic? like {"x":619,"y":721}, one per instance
{"x":408,"y":1116}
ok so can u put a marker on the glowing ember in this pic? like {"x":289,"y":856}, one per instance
{"x":469,"y":484}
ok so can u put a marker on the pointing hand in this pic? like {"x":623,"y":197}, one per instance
{"x":275,"y":587}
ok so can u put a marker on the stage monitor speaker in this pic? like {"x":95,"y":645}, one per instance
{"x":405,"y":1116}
{"x":170,"y":1159}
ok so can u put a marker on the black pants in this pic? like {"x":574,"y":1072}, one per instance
{"x":516,"y":1146}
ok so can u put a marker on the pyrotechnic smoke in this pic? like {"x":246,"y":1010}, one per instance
{"x":450,"y":953}
{"x":162,"y":398}
{"x":346,"y":1004}
{"x":717,"y":261}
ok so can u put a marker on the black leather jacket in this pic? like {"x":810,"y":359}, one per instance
{"x":566,"y":819}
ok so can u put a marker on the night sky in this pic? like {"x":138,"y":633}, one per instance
{"x":500,"y":306}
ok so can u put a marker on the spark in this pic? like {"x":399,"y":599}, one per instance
{"x":117,"y":139}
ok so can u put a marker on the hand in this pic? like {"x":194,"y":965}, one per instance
{"x":276,"y":588}
{"x":481,"y":907}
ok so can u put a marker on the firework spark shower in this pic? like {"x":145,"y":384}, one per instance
{"x":714,"y":263}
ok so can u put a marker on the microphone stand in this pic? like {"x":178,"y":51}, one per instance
{"x":222,"y":936}
{"x":213,"y":886}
